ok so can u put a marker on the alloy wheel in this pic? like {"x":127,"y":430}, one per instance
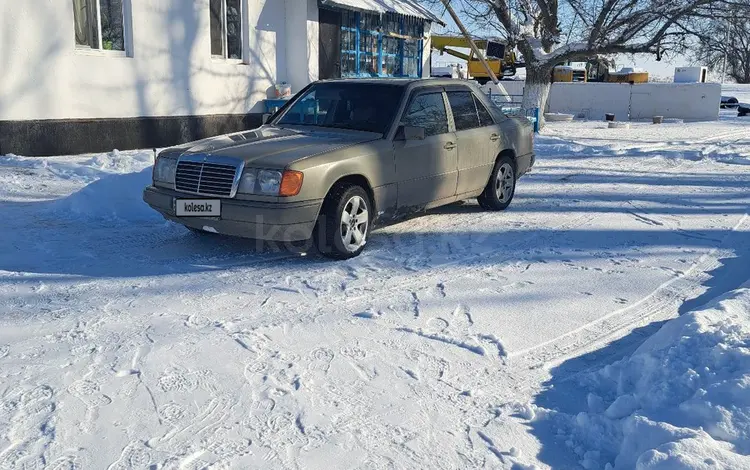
{"x":505,"y":182}
{"x":355,"y":220}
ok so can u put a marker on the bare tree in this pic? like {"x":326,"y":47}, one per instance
{"x":723,"y":41}
{"x":549,"y":32}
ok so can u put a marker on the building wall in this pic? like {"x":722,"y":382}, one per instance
{"x":427,"y":51}
{"x":302,"y":52}
{"x":170,"y":71}
{"x":166,"y":88}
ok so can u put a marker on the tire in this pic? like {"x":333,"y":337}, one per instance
{"x":501,"y":187}
{"x":336,"y":237}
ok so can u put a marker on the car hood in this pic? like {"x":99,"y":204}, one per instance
{"x":275,"y":147}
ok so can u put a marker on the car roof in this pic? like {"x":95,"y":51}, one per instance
{"x":401,"y":81}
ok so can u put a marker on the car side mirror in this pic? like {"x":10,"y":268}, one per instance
{"x":410,"y":133}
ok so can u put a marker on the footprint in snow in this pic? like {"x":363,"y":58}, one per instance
{"x":134,"y":455}
{"x":173,"y":413}
{"x":354,"y":352}
{"x":197,"y":321}
{"x":88,"y":392}
{"x":437,"y":324}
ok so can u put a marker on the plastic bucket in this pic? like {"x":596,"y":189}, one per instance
{"x":283,"y":90}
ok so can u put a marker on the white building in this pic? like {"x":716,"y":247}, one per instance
{"x":92,"y":75}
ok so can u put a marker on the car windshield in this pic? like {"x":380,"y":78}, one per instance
{"x":367,"y":107}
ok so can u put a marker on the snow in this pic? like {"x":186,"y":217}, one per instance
{"x":682,"y":398}
{"x":741,"y":92}
{"x":459,"y":339}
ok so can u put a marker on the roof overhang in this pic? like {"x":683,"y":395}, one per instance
{"x":402,"y":7}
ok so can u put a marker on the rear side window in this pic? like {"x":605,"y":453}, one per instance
{"x":485,"y":118}
{"x":428,"y":111}
{"x":464,"y":111}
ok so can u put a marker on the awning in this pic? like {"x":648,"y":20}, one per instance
{"x":402,"y":7}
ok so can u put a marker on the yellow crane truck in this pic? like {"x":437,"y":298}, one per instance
{"x":502,"y":60}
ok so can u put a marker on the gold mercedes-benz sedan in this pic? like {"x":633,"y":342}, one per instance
{"x":342,"y":155}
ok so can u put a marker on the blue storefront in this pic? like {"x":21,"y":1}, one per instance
{"x":373,"y":38}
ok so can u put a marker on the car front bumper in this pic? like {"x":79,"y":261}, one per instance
{"x":285,"y":221}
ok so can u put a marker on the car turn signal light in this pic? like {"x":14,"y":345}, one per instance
{"x":291,"y":183}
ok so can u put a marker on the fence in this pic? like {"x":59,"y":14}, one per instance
{"x":642,"y":101}
{"x":512,"y":105}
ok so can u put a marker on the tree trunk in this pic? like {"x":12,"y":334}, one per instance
{"x":536,"y":90}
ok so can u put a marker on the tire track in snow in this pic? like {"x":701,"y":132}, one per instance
{"x":656,"y":304}
{"x":493,"y":256}
{"x":662,"y":304}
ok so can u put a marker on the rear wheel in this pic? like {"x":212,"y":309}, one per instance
{"x":501,"y":187}
{"x":344,"y":222}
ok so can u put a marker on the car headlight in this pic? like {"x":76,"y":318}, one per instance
{"x":269,"y":181}
{"x":165,"y":169}
{"x":247,"y":182}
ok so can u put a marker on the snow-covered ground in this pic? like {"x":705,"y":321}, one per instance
{"x":741,"y":92}
{"x":460,"y":339}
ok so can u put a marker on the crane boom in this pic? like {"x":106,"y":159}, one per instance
{"x":473,"y":46}
{"x":455,"y":53}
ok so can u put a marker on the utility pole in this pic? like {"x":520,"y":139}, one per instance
{"x":473,"y":46}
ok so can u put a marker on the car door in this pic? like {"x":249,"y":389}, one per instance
{"x":475,"y":138}
{"x":427,"y":170}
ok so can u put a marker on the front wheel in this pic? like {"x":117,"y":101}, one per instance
{"x":501,"y":187}
{"x":344,"y":223}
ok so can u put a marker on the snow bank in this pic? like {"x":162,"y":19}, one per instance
{"x":109,"y":185}
{"x":682,"y":400}
{"x":106,"y":185}
{"x":84,"y":168}
{"x":723,"y":142}
{"x":114,"y":197}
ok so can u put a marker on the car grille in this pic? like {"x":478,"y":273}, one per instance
{"x":206,"y":178}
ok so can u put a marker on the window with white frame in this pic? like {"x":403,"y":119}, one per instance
{"x":99,"y":24}
{"x":226,"y":29}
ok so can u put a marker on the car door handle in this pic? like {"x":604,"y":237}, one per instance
{"x":494,"y":137}
{"x":449,"y":146}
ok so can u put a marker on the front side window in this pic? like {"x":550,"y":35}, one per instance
{"x":99,"y":24}
{"x":464,"y":111}
{"x":428,"y":111}
{"x":226,"y":29}
{"x":357,"y":106}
